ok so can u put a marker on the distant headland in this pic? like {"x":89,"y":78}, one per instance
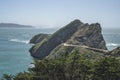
{"x":14,"y":25}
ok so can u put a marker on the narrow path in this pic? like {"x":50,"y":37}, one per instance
{"x":83,"y":46}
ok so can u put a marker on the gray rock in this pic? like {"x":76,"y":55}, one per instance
{"x":38,"y":38}
{"x":60,"y":36}
{"x":115,"y":52}
{"x":75,"y":33}
{"x":89,"y":35}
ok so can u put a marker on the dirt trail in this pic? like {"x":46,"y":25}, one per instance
{"x":83,"y":46}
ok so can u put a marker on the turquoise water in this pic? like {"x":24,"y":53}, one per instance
{"x":112,"y":38}
{"x":14,"y":48}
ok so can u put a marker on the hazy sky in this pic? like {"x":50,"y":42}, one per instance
{"x":56,"y":13}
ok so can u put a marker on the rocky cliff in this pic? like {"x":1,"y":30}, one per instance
{"x":75,"y":34}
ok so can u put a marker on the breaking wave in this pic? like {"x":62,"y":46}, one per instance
{"x":20,"y":41}
{"x":112,"y":44}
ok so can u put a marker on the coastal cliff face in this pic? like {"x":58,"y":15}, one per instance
{"x":75,"y":34}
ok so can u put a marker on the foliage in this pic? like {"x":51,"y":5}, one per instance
{"x":71,"y":66}
{"x":107,"y":69}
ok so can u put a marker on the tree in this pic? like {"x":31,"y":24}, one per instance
{"x":107,"y":68}
{"x":7,"y":77}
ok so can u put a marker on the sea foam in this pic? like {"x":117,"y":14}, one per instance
{"x":112,"y":44}
{"x":20,"y":41}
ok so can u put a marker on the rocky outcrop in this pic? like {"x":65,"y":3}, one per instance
{"x":39,"y":37}
{"x":115,"y":52}
{"x":75,"y":33}
{"x":89,"y":35}
{"x":61,"y":36}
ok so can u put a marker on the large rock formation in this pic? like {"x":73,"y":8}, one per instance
{"x":74,"y":34}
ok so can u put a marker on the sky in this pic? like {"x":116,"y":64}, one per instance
{"x":57,"y":13}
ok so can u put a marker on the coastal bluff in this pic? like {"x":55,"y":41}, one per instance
{"x":75,"y":33}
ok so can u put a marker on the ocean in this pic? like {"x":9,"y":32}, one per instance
{"x":14,"y":47}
